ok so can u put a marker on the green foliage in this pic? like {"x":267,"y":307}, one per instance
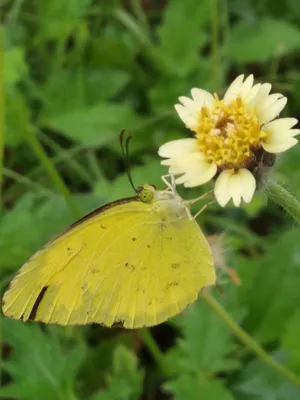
{"x":206,"y":343}
{"x":181,"y":36}
{"x":257,"y":382}
{"x":76,"y":73}
{"x":195,"y":386}
{"x":260,"y":41}
{"x":126,"y":380}
{"x":281,"y":295}
{"x":16,"y":245}
{"x":41,"y":364}
{"x":290,"y":341}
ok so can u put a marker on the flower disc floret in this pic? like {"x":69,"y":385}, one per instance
{"x":229,"y":133}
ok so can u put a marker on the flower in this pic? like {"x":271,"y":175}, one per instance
{"x":232,"y":137}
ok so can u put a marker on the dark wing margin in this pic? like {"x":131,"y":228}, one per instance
{"x":90,"y":215}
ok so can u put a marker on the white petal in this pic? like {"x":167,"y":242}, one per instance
{"x":235,"y":189}
{"x":233,"y":89}
{"x":236,"y":185}
{"x":188,"y":115}
{"x":273,"y":111}
{"x":279,"y":147}
{"x":279,"y":135}
{"x":294,"y":132}
{"x":221,"y":191}
{"x":267,"y":102}
{"x":186,"y":163}
{"x":188,"y":103}
{"x":282,"y":124}
{"x":246,"y":86}
{"x":202,"y":98}
{"x":245,"y":90}
{"x":200,"y":174}
{"x":250,"y":95}
{"x":261,"y":94}
{"x":248,"y":183}
{"x":178,"y":147}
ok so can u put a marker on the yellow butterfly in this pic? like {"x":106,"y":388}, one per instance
{"x":132,"y":263}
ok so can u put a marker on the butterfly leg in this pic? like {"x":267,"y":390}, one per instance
{"x":203,"y":196}
{"x":203,"y":208}
{"x":171,"y":186}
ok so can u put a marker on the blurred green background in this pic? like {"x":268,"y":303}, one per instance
{"x":76,"y":73}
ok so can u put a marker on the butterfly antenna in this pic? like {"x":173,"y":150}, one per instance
{"x":122,"y":133}
{"x":125,"y":153}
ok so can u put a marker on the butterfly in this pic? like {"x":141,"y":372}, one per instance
{"x":132,"y":263}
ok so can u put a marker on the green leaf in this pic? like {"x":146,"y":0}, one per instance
{"x":290,"y":342}
{"x":112,"y":49}
{"x":273,"y":291}
{"x":68,"y":91}
{"x":41,"y":219}
{"x":94,"y":126}
{"x":101,"y":356}
{"x":64,"y":92}
{"x":126,"y":380}
{"x":17,"y":118}
{"x":181,"y":36}
{"x":57,"y":18}
{"x":196,"y":386}
{"x":41,"y":368}
{"x":206,"y":342}
{"x":165,"y":92}
{"x":258,"y":42}
{"x":259,"y":382}
{"x":14,"y":65}
{"x":104,"y":84}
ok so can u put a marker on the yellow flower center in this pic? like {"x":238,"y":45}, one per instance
{"x":229,"y":134}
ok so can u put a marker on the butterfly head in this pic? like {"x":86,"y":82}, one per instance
{"x":146,"y":193}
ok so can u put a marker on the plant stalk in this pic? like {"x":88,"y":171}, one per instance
{"x":284,"y":198}
{"x":154,"y":350}
{"x":53,"y":174}
{"x":248,"y":341}
{"x":2,"y":110}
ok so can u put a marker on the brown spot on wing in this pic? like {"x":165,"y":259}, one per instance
{"x":118,"y":324}
{"x":130,"y":266}
{"x":172,"y":284}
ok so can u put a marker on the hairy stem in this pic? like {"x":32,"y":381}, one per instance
{"x":248,"y":341}
{"x":284,"y":198}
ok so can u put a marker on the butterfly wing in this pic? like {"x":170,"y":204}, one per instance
{"x":127,"y":265}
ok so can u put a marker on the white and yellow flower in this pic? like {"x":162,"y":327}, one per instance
{"x":231,"y":136}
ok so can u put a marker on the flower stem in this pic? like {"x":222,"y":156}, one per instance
{"x":215,"y":44}
{"x":284,"y":198}
{"x":81,"y":172}
{"x":154,"y":350}
{"x":1,"y":108}
{"x":54,"y":175}
{"x":248,"y":341}
{"x":24,"y":180}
